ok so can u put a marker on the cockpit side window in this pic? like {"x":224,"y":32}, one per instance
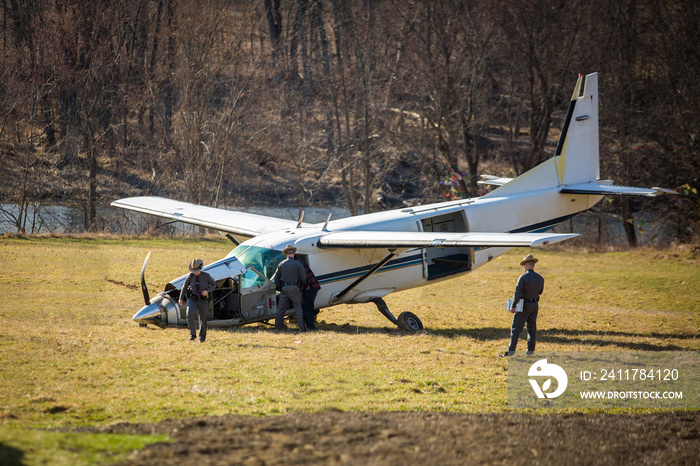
{"x":264,"y":260}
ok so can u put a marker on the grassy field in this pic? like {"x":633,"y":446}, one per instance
{"x":72,"y":356}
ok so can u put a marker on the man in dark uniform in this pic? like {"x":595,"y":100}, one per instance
{"x":197,"y":290}
{"x":309,"y":292}
{"x":529,"y":288}
{"x":289,"y":277}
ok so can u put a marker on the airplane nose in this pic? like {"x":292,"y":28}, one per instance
{"x":149,"y":314}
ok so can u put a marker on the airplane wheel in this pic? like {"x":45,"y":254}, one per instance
{"x":410,"y":322}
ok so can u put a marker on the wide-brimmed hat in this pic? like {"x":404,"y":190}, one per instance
{"x":528,"y":258}
{"x":196,"y":265}
{"x":289,"y":250}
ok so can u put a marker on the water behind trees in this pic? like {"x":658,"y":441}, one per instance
{"x":61,"y":219}
{"x":652,"y":229}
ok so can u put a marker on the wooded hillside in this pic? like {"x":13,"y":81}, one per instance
{"x":368,"y":104}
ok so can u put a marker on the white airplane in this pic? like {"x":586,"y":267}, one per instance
{"x":364,"y":258}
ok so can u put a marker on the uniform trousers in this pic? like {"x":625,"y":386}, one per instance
{"x":197,"y":308}
{"x":529,"y":317}
{"x":308,"y":305}
{"x":290,"y":296}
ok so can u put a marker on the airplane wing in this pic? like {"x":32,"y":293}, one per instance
{"x":227,"y":221}
{"x":359,"y":239}
{"x":600,"y":188}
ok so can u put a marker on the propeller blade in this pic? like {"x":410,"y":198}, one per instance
{"x":144,"y":288}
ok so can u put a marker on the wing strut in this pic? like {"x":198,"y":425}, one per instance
{"x":342,"y":294}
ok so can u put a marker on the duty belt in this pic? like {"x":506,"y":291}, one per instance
{"x":290,"y":284}
{"x":531,"y":300}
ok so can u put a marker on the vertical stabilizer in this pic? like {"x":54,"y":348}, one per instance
{"x":575,"y":167}
{"x":576,"y":157}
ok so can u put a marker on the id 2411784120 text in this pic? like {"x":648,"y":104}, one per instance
{"x":605,"y":379}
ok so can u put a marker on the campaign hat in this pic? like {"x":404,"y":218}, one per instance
{"x":196,"y":265}
{"x":528,"y":258}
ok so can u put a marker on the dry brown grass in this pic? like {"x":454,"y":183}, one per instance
{"x":72,"y":355}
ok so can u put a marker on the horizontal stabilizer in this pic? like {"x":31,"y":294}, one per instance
{"x":406,"y":239}
{"x":227,"y":221}
{"x":597,"y":188}
{"x":493,"y":180}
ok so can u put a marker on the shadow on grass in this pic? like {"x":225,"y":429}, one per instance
{"x":11,"y":456}
{"x":551,"y":335}
{"x":607,"y":338}
{"x":568,"y":336}
{"x":321,"y":326}
{"x":244,"y":345}
{"x":614,"y":333}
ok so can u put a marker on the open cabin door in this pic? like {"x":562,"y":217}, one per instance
{"x":257,"y":296}
{"x":440,"y":262}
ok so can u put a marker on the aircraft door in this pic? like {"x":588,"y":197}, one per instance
{"x":440,"y":262}
{"x":226,"y":299}
{"x":257,"y":296}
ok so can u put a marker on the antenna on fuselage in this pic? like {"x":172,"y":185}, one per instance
{"x":325,"y":225}
{"x":301,"y":219}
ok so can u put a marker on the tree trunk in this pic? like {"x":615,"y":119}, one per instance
{"x":92,"y":189}
{"x":169,"y":100}
{"x":274,"y":26}
{"x":628,"y":222}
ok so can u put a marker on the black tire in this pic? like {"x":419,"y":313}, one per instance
{"x":409,"y":322}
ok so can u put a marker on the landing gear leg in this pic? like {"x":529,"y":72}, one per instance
{"x":384,"y":309}
{"x":407,"y":321}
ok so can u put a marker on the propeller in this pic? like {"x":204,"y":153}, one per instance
{"x":144,"y":288}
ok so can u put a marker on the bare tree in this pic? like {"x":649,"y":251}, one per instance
{"x":673,"y":71}
{"x":450,"y":57}
{"x":182,"y":98}
{"x":544,"y":40}
{"x":274,"y":24}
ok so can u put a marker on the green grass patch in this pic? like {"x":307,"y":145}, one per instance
{"x":72,"y":355}
{"x":29,"y":446}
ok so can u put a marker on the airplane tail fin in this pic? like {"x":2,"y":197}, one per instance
{"x":576,"y":158}
{"x":577,"y":154}
{"x":575,"y":167}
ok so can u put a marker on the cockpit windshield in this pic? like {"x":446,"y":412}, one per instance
{"x":264,"y":260}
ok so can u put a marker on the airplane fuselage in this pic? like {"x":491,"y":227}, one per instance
{"x":338,"y":268}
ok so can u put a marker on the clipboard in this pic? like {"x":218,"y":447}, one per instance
{"x":518,"y":308}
